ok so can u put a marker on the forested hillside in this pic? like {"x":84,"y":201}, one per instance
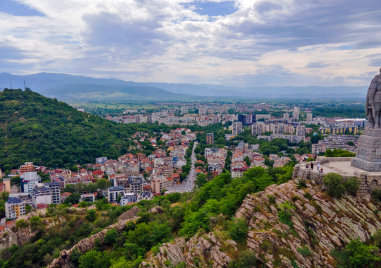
{"x":52,"y":133}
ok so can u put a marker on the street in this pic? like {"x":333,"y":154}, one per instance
{"x":188,"y":184}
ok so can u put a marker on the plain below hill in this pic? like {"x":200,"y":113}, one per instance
{"x":49,"y":132}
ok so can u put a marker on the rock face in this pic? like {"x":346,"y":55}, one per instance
{"x":89,"y":243}
{"x":20,"y":236}
{"x":317,"y":221}
{"x":205,"y":250}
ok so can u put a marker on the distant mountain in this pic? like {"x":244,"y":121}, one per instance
{"x":111,"y":92}
{"x":65,"y":87}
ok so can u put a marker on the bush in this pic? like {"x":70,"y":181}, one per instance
{"x":238,"y":230}
{"x":301,"y":184}
{"x":376,"y":194}
{"x":285,"y":213}
{"x":111,"y":236}
{"x":352,"y":185}
{"x":357,"y":254}
{"x":305,"y":251}
{"x":335,"y":184}
{"x":91,"y":215}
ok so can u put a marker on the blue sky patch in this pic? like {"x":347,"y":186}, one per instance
{"x":17,"y":9}
{"x":215,"y":8}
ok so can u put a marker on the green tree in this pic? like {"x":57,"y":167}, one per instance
{"x":119,"y":198}
{"x":201,"y":180}
{"x":4,"y":196}
{"x":69,"y":188}
{"x":352,"y":185}
{"x":91,"y":215}
{"x":73,"y":199}
{"x":238,"y":230}
{"x":335,"y":184}
{"x":35,"y":221}
{"x":103,"y":183}
{"x":111,"y":236}
{"x":93,"y":259}
{"x":247,"y":160}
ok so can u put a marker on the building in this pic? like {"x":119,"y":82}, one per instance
{"x":309,"y":117}
{"x":29,"y":180}
{"x":247,"y":119}
{"x":14,"y":208}
{"x":7,"y":184}
{"x":27,"y":167}
{"x":296,"y":113}
{"x":236,"y":128}
{"x":46,"y":193}
{"x":209,"y":138}
{"x":128,"y":198}
{"x":113,"y":192}
{"x":184,"y":109}
{"x":87,"y":198}
{"x":286,"y":116}
{"x":101,"y":160}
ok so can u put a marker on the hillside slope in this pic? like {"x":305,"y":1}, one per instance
{"x":48,"y":132}
{"x":316,"y":226}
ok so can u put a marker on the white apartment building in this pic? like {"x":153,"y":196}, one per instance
{"x":236,"y":128}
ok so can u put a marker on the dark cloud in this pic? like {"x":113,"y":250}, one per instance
{"x":8,"y":52}
{"x":308,"y":23}
{"x":314,"y":65}
{"x":375,"y":62}
{"x":132,"y":38}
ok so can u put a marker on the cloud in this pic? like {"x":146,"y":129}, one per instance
{"x":235,"y":42}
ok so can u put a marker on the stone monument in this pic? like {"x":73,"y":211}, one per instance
{"x":368,"y":157}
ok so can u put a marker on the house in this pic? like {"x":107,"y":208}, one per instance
{"x":64,"y":196}
{"x":14,"y":208}
{"x":98,"y":174}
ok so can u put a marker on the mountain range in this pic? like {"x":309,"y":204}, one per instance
{"x":71,"y":87}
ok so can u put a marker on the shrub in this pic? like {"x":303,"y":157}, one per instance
{"x":357,"y":254}
{"x":111,"y":236}
{"x":238,"y":230}
{"x":308,"y":196}
{"x":305,"y":251}
{"x":285,"y":213}
{"x":352,"y":185}
{"x":271,"y":199}
{"x":301,"y":184}
{"x":91,"y":215}
{"x":377,"y":238}
{"x":376,"y":194}
{"x":335,"y":184}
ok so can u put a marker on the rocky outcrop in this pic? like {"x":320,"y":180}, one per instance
{"x":205,"y":250}
{"x":20,"y":236}
{"x":89,"y":243}
{"x":317,"y":225}
{"x":156,"y":210}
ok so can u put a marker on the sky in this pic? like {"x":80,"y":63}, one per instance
{"x":232,"y":43}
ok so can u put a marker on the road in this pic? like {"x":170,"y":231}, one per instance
{"x":188,"y":184}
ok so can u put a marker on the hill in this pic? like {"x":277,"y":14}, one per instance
{"x":54,"y":84}
{"x":251,"y":221}
{"x":111,"y":93}
{"x":48,"y":132}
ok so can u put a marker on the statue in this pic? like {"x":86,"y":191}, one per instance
{"x":373,"y":103}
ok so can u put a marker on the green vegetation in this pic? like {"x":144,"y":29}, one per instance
{"x":339,"y":153}
{"x":357,"y":254}
{"x":337,"y":186}
{"x":195,"y":212}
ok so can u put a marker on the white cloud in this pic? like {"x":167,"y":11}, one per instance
{"x":315,"y":42}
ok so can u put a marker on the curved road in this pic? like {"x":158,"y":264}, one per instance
{"x":188,"y":184}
